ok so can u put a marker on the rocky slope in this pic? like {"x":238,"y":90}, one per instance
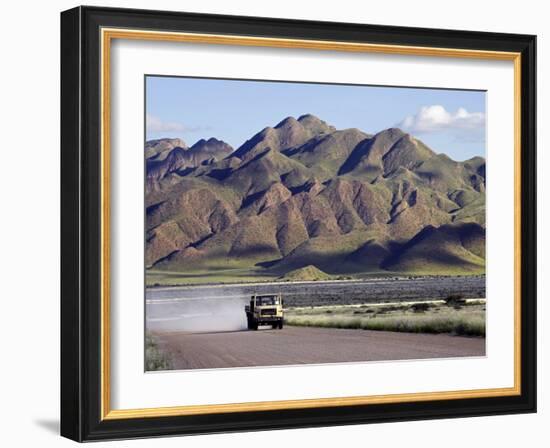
{"x":303,"y":193}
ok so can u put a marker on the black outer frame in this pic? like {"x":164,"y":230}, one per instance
{"x":81,"y":207}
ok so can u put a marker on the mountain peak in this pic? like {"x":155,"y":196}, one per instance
{"x":202,"y":141}
{"x":308,"y":117}
{"x":315,"y":124}
{"x":179,"y":158}
{"x":166,"y":141}
{"x":160,"y":148}
{"x":392,"y":133}
{"x":211,"y":145}
{"x":288,"y":121}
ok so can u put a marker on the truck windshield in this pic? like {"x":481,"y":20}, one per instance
{"x":267,"y":300}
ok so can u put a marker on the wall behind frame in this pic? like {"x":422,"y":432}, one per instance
{"x":29,"y":235}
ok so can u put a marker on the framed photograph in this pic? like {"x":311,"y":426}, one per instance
{"x":272,"y":223}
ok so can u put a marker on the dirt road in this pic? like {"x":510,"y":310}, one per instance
{"x":303,"y":345}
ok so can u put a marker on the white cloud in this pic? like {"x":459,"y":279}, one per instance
{"x":437,"y":118}
{"x":155,"y":124}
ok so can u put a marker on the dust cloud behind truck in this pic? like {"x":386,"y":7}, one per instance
{"x":264,"y":309}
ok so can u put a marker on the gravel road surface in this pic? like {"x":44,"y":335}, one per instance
{"x":305,"y":345}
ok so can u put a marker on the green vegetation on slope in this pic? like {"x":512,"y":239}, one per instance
{"x":307,"y":273}
{"x":303,"y":193}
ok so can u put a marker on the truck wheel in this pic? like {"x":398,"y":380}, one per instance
{"x":280,"y":325}
{"x":255,"y":326}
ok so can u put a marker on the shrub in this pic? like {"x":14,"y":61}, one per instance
{"x":456,"y":301}
{"x":420,"y":307}
{"x":155,"y":359}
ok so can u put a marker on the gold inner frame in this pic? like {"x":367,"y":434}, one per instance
{"x":107,"y":35}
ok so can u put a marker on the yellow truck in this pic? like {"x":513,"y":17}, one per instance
{"x":265,"y":309}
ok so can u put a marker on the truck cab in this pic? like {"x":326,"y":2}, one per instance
{"x":265,"y":309}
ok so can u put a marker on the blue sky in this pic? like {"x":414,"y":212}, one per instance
{"x":449,"y":121}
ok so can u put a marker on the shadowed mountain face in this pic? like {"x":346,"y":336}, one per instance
{"x":304,"y":196}
{"x":164,"y":157}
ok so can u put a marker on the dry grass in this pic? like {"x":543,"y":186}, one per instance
{"x":468,"y":320}
{"x":155,"y":359}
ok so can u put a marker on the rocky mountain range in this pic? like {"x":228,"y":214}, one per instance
{"x":303,"y":194}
